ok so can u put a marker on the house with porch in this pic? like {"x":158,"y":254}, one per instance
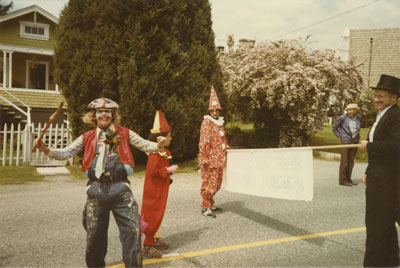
{"x":28,"y":92}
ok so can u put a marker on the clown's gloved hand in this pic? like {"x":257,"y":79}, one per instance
{"x":172,"y":169}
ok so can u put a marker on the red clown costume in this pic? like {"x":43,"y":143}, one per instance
{"x":155,"y":192}
{"x":212,"y":150}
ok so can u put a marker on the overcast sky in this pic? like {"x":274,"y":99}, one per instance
{"x":283,"y":19}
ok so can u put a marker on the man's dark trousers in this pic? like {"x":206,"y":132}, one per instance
{"x":346,"y":164}
{"x":382,"y":248}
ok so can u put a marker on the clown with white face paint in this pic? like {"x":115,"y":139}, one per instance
{"x":212,"y":150}
{"x":107,"y":162}
{"x":103,"y":117}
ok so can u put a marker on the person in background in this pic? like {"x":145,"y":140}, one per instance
{"x":107,"y":162}
{"x":347,"y":129}
{"x":212,"y":150}
{"x":156,"y":187}
{"x":382,"y":177}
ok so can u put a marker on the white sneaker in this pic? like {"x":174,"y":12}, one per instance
{"x":208,"y":212}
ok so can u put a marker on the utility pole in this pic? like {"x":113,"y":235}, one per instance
{"x":371,"y":41}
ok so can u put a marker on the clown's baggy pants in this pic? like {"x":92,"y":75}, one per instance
{"x":103,"y":197}
{"x":212,"y":180}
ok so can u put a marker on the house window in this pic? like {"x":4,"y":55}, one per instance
{"x":34,"y":30}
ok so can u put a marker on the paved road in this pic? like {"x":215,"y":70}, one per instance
{"x":40,"y":225}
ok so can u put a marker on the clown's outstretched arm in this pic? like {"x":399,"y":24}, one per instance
{"x":74,"y":148}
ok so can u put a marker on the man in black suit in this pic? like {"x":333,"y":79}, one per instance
{"x":383,"y":147}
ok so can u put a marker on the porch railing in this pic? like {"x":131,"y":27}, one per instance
{"x":28,"y":109}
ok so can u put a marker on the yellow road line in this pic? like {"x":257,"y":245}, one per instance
{"x":249,"y":245}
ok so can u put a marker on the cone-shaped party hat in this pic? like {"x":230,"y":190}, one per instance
{"x":214,"y":102}
{"x":160,"y":123}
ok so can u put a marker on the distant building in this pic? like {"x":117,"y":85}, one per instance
{"x":343,"y":49}
{"x":220,"y":49}
{"x":250,"y":42}
{"x":378,"y":50}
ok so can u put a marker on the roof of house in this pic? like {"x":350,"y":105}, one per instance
{"x":27,"y":10}
{"x":34,"y":99}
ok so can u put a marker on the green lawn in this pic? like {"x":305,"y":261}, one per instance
{"x":19,"y":175}
{"x":326,"y":137}
{"x":246,"y":127}
{"x":323,"y":137}
{"x":76,"y":171}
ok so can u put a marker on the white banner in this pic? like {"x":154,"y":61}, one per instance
{"x":285,"y":173}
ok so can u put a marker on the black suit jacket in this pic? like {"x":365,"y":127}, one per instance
{"x":384,"y":153}
{"x":383,"y":192}
{"x":386,"y":141}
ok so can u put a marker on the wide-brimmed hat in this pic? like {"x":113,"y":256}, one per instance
{"x":102,"y":103}
{"x":214,"y":101}
{"x":352,"y":106}
{"x":389,"y":83}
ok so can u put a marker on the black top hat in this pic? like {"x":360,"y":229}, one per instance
{"x":389,"y":83}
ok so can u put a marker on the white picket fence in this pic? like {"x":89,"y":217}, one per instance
{"x":16,"y":145}
{"x":14,"y":153}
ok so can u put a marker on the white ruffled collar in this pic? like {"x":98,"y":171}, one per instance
{"x":218,"y":122}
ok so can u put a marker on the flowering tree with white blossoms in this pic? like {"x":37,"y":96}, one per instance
{"x":286,"y":89}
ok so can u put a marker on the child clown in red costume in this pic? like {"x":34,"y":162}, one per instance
{"x":156,"y":187}
{"x":212,"y":150}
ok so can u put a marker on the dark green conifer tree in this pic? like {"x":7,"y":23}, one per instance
{"x":87,"y":54}
{"x":146,"y":55}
